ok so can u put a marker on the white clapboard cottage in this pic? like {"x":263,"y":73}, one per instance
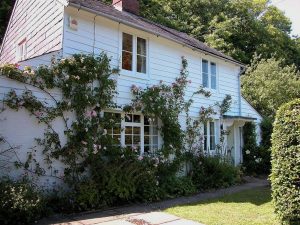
{"x":145,"y":52}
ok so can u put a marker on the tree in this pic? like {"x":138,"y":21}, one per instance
{"x":268,"y":84}
{"x":6,"y":7}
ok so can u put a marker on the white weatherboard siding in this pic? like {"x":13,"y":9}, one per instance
{"x":40,"y":22}
{"x":97,"y":34}
{"x":46,"y":27}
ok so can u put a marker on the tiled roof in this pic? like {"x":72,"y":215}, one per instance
{"x":139,"y":22}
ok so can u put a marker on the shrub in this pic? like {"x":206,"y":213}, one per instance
{"x":266,"y":127}
{"x":285,"y":176}
{"x":256,"y":159}
{"x":212,"y":172}
{"x":20,"y":202}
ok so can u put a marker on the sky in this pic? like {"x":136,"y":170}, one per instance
{"x":292,"y":10}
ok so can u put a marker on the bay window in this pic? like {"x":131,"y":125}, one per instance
{"x":134,"y":53}
{"x":209,"y":74}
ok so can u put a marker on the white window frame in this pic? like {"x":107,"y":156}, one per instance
{"x":133,"y":124}
{"x":210,"y":75}
{"x":209,"y":135}
{"x":21,"y":50}
{"x":133,"y":72}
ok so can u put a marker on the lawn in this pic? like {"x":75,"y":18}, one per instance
{"x":251,"y":207}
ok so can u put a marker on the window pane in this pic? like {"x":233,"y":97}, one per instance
{"x":212,"y":136}
{"x":204,"y":66}
{"x":128,"y":130}
{"x":136,"y":140}
{"x":213,"y":75}
{"x":205,"y":80}
{"x":205,"y":129}
{"x":212,"y":128}
{"x":205,"y":143}
{"x":126,"y":60}
{"x":155,"y":140}
{"x":141,"y":46}
{"x":117,"y":138}
{"x":213,"y":68}
{"x":128,"y":117}
{"x":137,"y":130}
{"x":128,"y":140}
{"x":146,"y":130}
{"x":146,"y":120}
{"x":127,"y":42}
{"x":136,"y":118}
{"x":146,"y":140}
{"x":141,"y":64}
{"x":213,"y":82}
{"x":155,"y":131}
{"x":204,"y":73}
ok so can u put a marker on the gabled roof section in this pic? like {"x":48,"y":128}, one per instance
{"x":97,"y":7}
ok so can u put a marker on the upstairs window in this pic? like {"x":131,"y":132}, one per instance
{"x":141,"y":55}
{"x":209,"y":74}
{"x":127,"y":51}
{"x":21,"y":51}
{"x":134,"y":53}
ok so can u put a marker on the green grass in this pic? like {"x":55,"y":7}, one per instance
{"x":251,"y":207}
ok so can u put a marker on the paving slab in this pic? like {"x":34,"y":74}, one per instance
{"x":157,"y":217}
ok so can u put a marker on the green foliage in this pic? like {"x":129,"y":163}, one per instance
{"x":6,"y":7}
{"x":268,"y":84}
{"x":285,"y":176}
{"x":266,"y":127}
{"x":256,"y":159}
{"x":98,"y":171}
{"x":213,"y":172}
{"x":20,"y":202}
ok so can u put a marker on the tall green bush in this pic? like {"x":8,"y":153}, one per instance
{"x":256,"y":159}
{"x":285,"y":175}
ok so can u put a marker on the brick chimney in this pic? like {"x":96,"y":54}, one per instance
{"x":131,"y":6}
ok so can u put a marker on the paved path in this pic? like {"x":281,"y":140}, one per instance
{"x":147,"y":214}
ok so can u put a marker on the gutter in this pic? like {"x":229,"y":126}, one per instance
{"x":79,"y":6}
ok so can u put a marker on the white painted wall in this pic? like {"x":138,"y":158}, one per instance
{"x":97,"y":34}
{"x":40,"y":22}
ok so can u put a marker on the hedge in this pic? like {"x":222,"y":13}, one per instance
{"x":285,"y":176}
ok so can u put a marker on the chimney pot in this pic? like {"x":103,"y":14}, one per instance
{"x":131,"y":6}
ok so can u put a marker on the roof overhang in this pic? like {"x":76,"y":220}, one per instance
{"x":78,"y":6}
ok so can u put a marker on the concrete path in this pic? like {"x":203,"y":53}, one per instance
{"x":147,"y":214}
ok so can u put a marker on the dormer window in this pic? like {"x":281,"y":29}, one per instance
{"x":21,"y":50}
{"x":134,"y":53}
{"x":209,"y":74}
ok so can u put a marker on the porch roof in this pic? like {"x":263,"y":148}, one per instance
{"x":239,"y":118}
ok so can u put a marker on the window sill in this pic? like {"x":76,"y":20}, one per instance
{"x":213,"y":91}
{"x":135,"y":75}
